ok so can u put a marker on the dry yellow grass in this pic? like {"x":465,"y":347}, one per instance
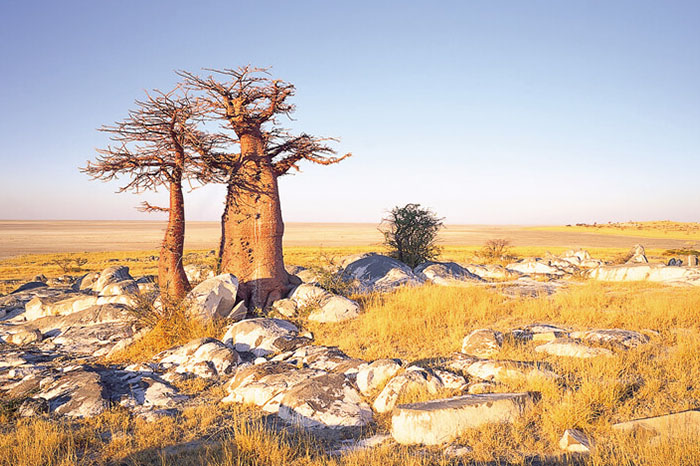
{"x":415,"y":323}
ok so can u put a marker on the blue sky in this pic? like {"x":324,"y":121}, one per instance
{"x":537,"y":112}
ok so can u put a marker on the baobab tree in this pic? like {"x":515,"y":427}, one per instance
{"x":248,"y":101}
{"x":160,"y":145}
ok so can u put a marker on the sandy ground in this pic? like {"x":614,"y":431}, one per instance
{"x":19,"y":237}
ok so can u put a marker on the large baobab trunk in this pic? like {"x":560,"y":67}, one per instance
{"x":171,"y":273}
{"x":252,"y":229}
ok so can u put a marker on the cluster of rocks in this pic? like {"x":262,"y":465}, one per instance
{"x":56,"y":334}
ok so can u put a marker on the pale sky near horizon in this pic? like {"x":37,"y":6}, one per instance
{"x":537,"y":112}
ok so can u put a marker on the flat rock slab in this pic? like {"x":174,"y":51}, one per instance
{"x":669,"y":425}
{"x":440,"y":421}
{"x":570,"y":348}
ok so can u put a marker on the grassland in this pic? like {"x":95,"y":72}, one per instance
{"x":413,"y":323}
{"x":429,"y":321}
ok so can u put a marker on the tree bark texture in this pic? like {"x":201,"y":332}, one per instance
{"x":252,"y":229}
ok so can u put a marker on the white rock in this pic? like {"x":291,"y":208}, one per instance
{"x":440,"y":421}
{"x":482,"y":343}
{"x":571,"y":348}
{"x":261,"y":336}
{"x":285,"y":307}
{"x":213,"y":298}
{"x":625,"y":338}
{"x":372,"y":376}
{"x":326,"y":402}
{"x":377,"y":272}
{"x":647,"y":272}
{"x":413,"y":378}
{"x":444,"y":273}
{"x":197,"y":273}
{"x":114,"y":274}
{"x":534,"y":267}
{"x":491,"y":271}
{"x":309,"y":295}
{"x":120,"y":288}
{"x":506,"y":371}
{"x":335,"y":309}
{"x":575,"y":441}
{"x":24,"y":336}
{"x":266,"y":384}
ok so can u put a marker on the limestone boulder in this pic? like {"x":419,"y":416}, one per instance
{"x":535,"y":267}
{"x":482,"y":343}
{"x":197,"y":273}
{"x":214,"y":298}
{"x":203,"y":357}
{"x":372,"y":376}
{"x":615,"y":336}
{"x":668,"y":426}
{"x":85,"y":282}
{"x":324,"y":358}
{"x":307,"y":294}
{"x":285,"y":307}
{"x":24,"y":336}
{"x":120,"y":288}
{"x":29,"y":286}
{"x":263,"y":337}
{"x":335,"y":309}
{"x":327,"y":404}
{"x":377,"y":272}
{"x":444,"y":273}
{"x":571,"y":348}
{"x":575,"y":441}
{"x":491,"y":271}
{"x":647,"y":272}
{"x":266,"y":384}
{"x":505,"y":371}
{"x":111,"y":275}
{"x":440,"y":421}
{"x":76,"y":393}
{"x":413,"y":378}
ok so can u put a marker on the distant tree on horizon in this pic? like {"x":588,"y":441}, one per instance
{"x":248,"y":101}
{"x":160,"y":145}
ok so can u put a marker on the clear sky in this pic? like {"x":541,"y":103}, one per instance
{"x":524,"y":112}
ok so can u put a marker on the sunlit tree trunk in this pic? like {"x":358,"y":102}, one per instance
{"x":172,"y":279}
{"x":252,"y":229}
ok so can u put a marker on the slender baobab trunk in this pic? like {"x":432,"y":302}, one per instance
{"x":171,"y":273}
{"x":252,"y":229}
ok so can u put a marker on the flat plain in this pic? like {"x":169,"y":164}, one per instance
{"x":19,"y":237}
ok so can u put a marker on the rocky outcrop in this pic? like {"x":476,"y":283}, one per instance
{"x":328,"y":404}
{"x":214,"y":298}
{"x":197,"y":273}
{"x":575,"y":441}
{"x":111,"y":276}
{"x":262,"y":336}
{"x":647,"y":272}
{"x":203,"y":357}
{"x":375,"y":272}
{"x":440,"y":421}
{"x":374,"y":375}
{"x":413,"y":378}
{"x":444,"y":273}
{"x":482,"y":343}
{"x":535,"y":267}
{"x":335,"y":309}
{"x":491,"y":271}
{"x":614,"y":336}
{"x":569,"y":347}
{"x":675,"y":425}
